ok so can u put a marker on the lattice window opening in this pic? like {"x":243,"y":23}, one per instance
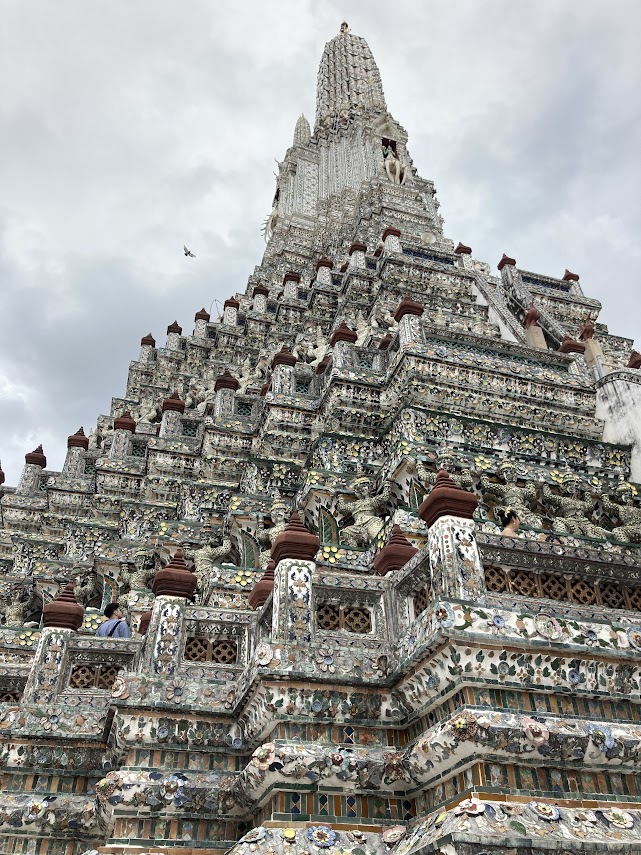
{"x":333,"y":617}
{"x":10,"y":696}
{"x":244,"y":408}
{"x":139,"y":449}
{"x":577,"y":590}
{"x":87,"y":676}
{"x":302,"y":385}
{"x":219,"y":651}
{"x":421,"y":601}
{"x":190,"y":428}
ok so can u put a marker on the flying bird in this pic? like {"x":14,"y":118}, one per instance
{"x":188,"y":252}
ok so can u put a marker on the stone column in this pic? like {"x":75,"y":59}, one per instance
{"x":464,"y":254}
{"x":410,"y":328}
{"x":261,"y":293}
{"x":357,"y":256}
{"x":230,"y":312}
{"x":201,"y":319}
{"x":324,"y":272}
{"x":455,"y":563}
{"x":74,"y":465}
{"x":174,"y":331}
{"x":533,"y":331}
{"x":172,"y":410}
{"x":124,"y":428}
{"x":392,"y":240}
{"x":225,"y":388}
{"x":283,"y":371}
{"x":290,"y":285}
{"x":45,"y":681}
{"x":147,"y":348}
{"x":34,"y":463}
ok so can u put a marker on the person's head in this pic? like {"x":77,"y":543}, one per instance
{"x":510,"y":521}
{"x":113,"y":611}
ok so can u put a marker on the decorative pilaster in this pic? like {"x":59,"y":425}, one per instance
{"x":74,"y":465}
{"x":45,"y":681}
{"x":455,"y":563}
{"x":225,"y":388}
{"x":410,"y":328}
{"x":392,"y":240}
{"x":124,"y":428}
{"x":260,"y":299}
{"x":283,"y":371}
{"x":324,"y":272}
{"x":357,"y":256}
{"x":34,"y":463}
{"x":201,"y":319}
{"x":290,"y":285}
{"x":147,"y":348}
{"x":174,"y":332}
{"x":172,"y":410}
{"x":230,"y":312}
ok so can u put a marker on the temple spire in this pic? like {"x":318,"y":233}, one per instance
{"x":349,"y":82}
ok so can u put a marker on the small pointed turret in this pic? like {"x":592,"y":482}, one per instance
{"x":302,"y":131}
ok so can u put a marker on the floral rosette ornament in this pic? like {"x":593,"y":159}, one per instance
{"x":263,"y":756}
{"x":471,"y":807}
{"x":550,"y":813}
{"x":548,"y":627}
{"x":120,"y":689}
{"x":322,"y":836}
{"x":264,"y":654}
{"x":601,"y":736}
{"x":444,"y":614}
{"x":634,"y":637}
{"x":534,"y":731}
{"x":254,"y":835}
{"x":619,"y":818}
{"x":393,"y":835}
{"x":464,"y":726}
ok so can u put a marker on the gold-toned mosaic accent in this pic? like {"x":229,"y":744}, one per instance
{"x":222,"y":651}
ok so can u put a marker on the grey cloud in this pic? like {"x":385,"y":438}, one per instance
{"x":130,"y":128}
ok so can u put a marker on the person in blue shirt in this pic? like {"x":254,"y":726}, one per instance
{"x":115,"y":626}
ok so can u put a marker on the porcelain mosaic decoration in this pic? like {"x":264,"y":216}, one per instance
{"x":377,"y":532}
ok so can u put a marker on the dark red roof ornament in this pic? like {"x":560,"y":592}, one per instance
{"x":283,"y":357}
{"x":202,"y":315}
{"x":174,"y":328}
{"x":635,"y":360}
{"x":568,"y":276}
{"x":587,"y":330}
{"x":395,"y":554}
{"x":506,"y":260}
{"x":570,"y":345}
{"x":531,"y":316}
{"x":447,"y":499}
{"x":148,"y":340}
{"x":64,"y":612}
{"x":263,"y":587}
{"x":176,"y":579}
{"x":408,"y":306}
{"x":226,"y":381}
{"x":461,"y":249}
{"x":36,"y":458}
{"x":343,"y":333}
{"x":125,"y":422}
{"x":173,"y":404}
{"x":78,"y":440}
{"x":295,"y":541}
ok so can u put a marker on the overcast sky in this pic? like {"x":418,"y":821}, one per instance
{"x":130,"y":127}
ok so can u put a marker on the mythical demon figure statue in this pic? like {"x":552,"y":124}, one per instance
{"x":207,"y":558}
{"x":16,"y":599}
{"x":628,"y":515}
{"x":518,"y":499}
{"x":278,"y":512}
{"x":445,"y":459}
{"x":365,"y":510}
{"x":572,"y":512}
{"x":85,"y":585}
{"x":396,"y":172}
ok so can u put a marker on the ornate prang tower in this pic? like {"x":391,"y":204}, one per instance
{"x":377,"y":531}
